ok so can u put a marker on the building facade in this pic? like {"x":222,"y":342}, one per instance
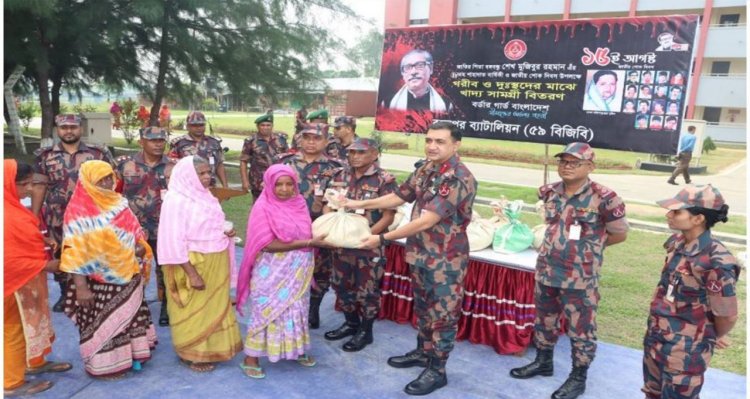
{"x":718,"y":80}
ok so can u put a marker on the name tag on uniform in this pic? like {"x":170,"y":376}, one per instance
{"x":318,"y":189}
{"x":575,"y":232}
{"x":211,"y":161}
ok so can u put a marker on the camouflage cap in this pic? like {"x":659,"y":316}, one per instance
{"x":345,"y":120}
{"x":264,"y":118}
{"x":153,"y":133}
{"x":196,"y":118}
{"x":319,"y":114}
{"x":318,"y":129}
{"x":68,"y":120}
{"x":362,"y":144}
{"x":693,"y":196}
{"x":581,"y":151}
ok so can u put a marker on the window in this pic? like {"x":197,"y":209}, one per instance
{"x":413,"y":22}
{"x":711,"y":114}
{"x":720,"y":68}
{"x":729,"y":19}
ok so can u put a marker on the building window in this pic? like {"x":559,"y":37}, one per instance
{"x":729,"y":20}
{"x":413,"y":22}
{"x":720,"y":68}
{"x":711,"y":114}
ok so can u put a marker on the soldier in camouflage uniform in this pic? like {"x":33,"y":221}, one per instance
{"x":437,"y":250}
{"x":357,"y":272}
{"x":313,"y":118}
{"x":197,"y":143}
{"x":314,"y":170}
{"x":259,"y":151}
{"x":144,"y":181}
{"x":55,"y":177}
{"x":695,"y":303}
{"x":583,"y":217}
{"x":343,"y":136}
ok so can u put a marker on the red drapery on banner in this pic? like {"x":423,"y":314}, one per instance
{"x":498,"y":307}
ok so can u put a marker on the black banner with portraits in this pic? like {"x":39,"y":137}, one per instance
{"x":617,"y":83}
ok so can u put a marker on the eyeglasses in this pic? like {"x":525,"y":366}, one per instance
{"x":419,"y":66}
{"x":573,"y":164}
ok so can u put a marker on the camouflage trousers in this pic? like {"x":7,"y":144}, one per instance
{"x":578,"y":307}
{"x":670,"y":370}
{"x":322,"y":272}
{"x":160,"y":287}
{"x":438,"y":296}
{"x":356,"y":280}
{"x":55,"y":233}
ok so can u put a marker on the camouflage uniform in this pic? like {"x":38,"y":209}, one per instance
{"x":208,"y":148}
{"x":59,"y":170}
{"x":313,"y":178}
{"x":357,"y":272}
{"x":143,"y":186}
{"x":567,"y":270}
{"x":439,"y":256}
{"x":336,"y":150}
{"x":259,"y":152}
{"x":680,"y":335}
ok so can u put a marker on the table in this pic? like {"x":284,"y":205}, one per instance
{"x":498,"y":307}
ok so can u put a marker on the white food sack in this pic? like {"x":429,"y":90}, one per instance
{"x":538,"y":231}
{"x":343,"y":229}
{"x":480,"y":233}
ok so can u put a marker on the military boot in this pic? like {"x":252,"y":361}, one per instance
{"x":432,"y":378}
{"x":542,"y":365}
{"x":574,"y":386}
{"x":313,"y":318}
{"x":362,"y":338}
{"x":416,"y":357}
{"x":59,"y":306}
{"x":350,"y":327}
{"x":163,"y":314}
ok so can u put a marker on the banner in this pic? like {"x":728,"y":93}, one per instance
{"x":616,"y":83}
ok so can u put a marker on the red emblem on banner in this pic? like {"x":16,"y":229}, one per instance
{"x":515,"y":49}
{"x":713,"y":286}
{"x":444,"y":190}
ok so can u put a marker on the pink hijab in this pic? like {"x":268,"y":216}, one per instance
{"x":272,"y":218}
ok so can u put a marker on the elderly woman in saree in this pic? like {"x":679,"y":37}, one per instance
{"x":105,"y":251}
{"x":193,"y":248}
{"x":28,"y":333}
{"x":273,"y":287}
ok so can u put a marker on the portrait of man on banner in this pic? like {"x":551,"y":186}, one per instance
{"x":417,"y":93}
{"x":603,"y":90}
{"x":667,"y":43}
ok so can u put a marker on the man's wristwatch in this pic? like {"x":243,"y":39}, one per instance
{"x":382,"y":238}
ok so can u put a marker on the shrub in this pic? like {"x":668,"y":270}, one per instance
{"x":27,"y":111}
{"x":708,"y":145}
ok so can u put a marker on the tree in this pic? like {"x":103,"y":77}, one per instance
{"x":368,"y":54}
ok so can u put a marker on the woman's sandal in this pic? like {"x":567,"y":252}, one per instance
{"x":28,"y":388}
{"x":253,"y":371}
{"x":113,"y":377}
{"x":306,"y":361}
{"x":199,"y":367}
{"x":50,"y":367}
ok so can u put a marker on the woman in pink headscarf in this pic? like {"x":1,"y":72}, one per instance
{"x":273,"y":287}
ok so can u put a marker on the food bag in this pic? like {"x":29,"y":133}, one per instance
{"x":515,"y":236}
{"x":342,"y":229}
{"x":480,"y":232}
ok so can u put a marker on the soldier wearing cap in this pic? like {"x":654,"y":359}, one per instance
{"x":582,"y":217}
{"x":313,"y":118}
{"x":144,"y":182}
{"x":197,"y":143}
{"x":314,"y":169}
{"x":437,"y":250}
{"x":357,"y":272}
{"x":695,"y":303}
{"x":259,"y":151}
{"x":343,"y":135}
{"x":55,"y":177}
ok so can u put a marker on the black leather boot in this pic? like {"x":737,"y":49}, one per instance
{"x":417,"y":357}
{"x":362,"y":338}
{"x":350,"y":327}
{"x":59,"y":306}
{"x":574,"y":386}
{"x":542,"y":365}
{"x":163,"y":314}
{"x":313,"y":318}
{"x":432,"y":378}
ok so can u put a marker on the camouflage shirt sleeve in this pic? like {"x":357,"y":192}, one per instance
{"x":40,"y":170}
{"x":247,"y":150}
{"x":407,"y":191}
{"x":389,"y":184}
{"x":445,"y":202}
{"x":614,"y":215}
{"x":720,"y":283}
{"x":107,"y":156}
{"x":219,"y":154}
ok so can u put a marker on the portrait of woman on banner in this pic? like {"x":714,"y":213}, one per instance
{"x":603,"y":90}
